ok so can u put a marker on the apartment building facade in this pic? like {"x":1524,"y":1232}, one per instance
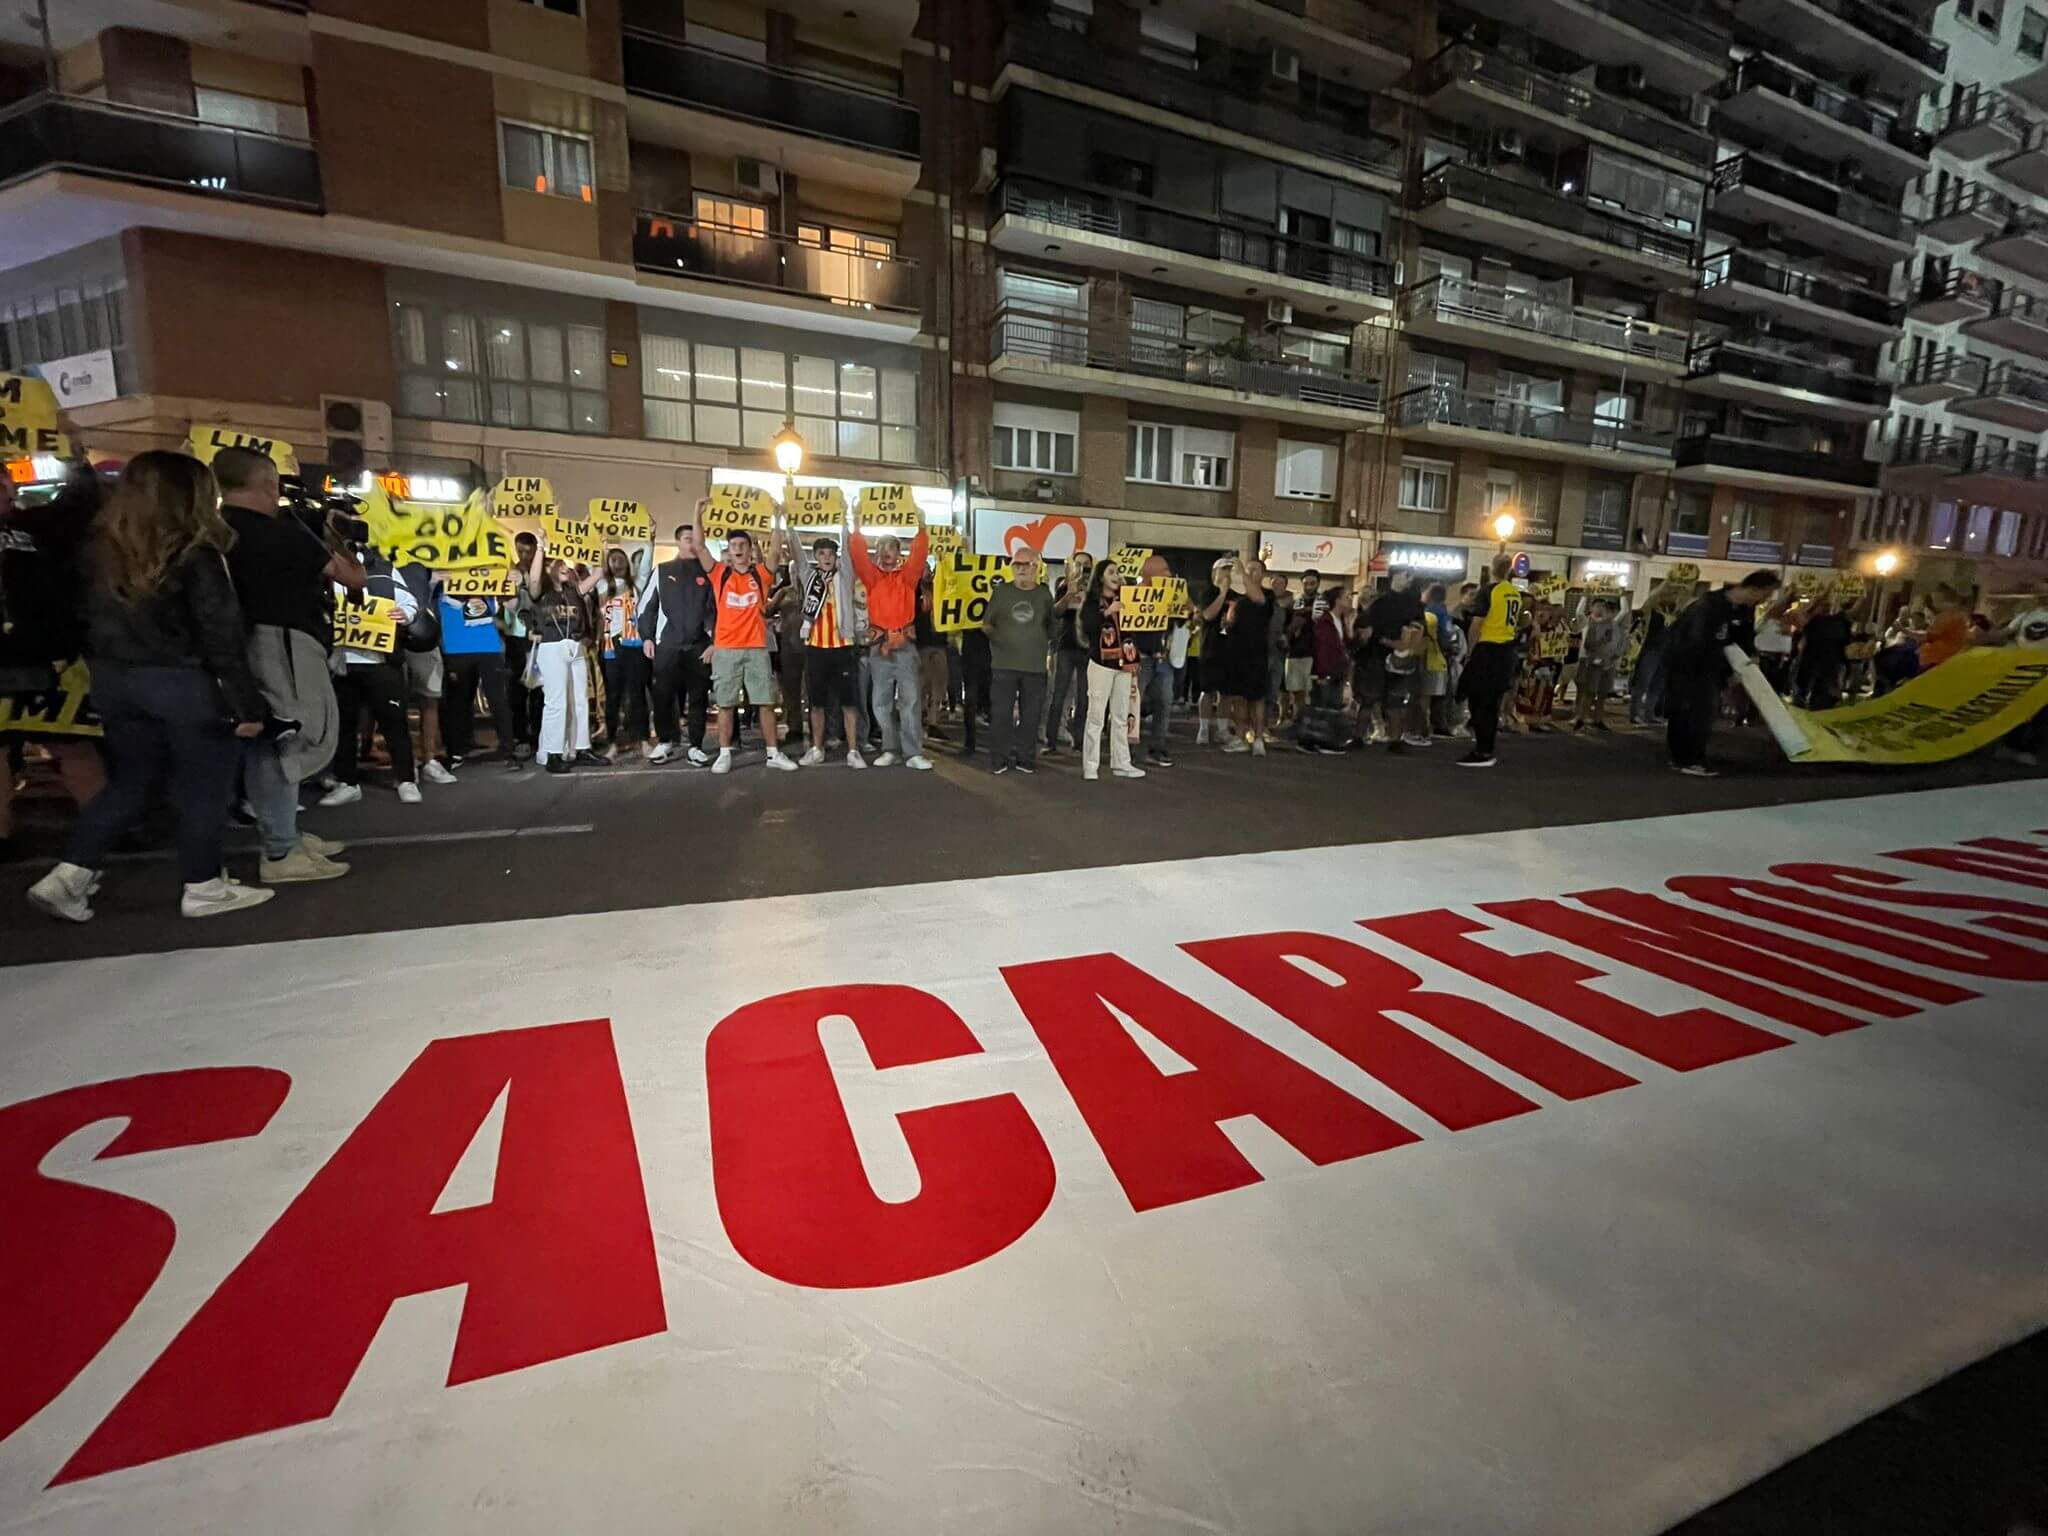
{"x":1208,"y":276}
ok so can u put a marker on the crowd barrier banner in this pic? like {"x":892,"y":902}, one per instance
{"x":28,"y":419}
{"x":572,"y":539}
{"x":527,"y":496}
{"x":480,"y":581}
{"x":889,"y":506}
{"x":1149,"y":606}
{"x":363,"y":623}
{"x":63,"y":709}
{"x":738,"y":507}
{"x":206,"y":440}
{"x":1967,"y":703}
{"x":960,"y":590}
{"x":822,"y":507}
{"x":621,"y":522}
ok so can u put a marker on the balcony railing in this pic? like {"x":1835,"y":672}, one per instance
{"x":1954,"y":370}
{"x":1813,"y":554}
{"x":1563,"y":97}
{"x":1752,"y":171}
{"x":1458,"y":298}
{"x":1891,"y":29}
{"x":1724,"y":451}
{"x":680,"y":246}
{"x":1125,"y":218}
{"x":1964,"y":199}
{"x":1337,"y":128}
{"x":1677,"y":543}
{"x":1761,"y":72}
{"x":1760,"y":551}
{"x":1980,"y":106}
{"x":2010,"y":381}
{"x":1441,"y":405}
{"x":65,"y":133}
{"x":1761,"y":365}
{"x":1539,"y":205}
{"x":1758,"y":271}
{"x":814,"y":105}
{"x":1943,"y":284}
{"x":1118,"y":346}
{"x":1669,"y":24}
{"x":1970,"y":455}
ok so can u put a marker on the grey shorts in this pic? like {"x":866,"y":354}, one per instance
{"x":741,"y":677}
{"x":423,"y":672}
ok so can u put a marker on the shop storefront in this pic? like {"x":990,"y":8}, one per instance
{"x":1448,"y":563}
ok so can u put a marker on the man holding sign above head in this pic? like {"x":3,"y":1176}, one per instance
{"x":740,"y":669}
{"x":891,"y":582}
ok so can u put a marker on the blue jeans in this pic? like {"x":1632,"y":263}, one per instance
{"x":1070,"y":670}
{"x":164,"y":726}
{"x":896,"y":700}
{"x":1646,"y":688}
{"x":274,"y":796}
{"x":1155,"y":700}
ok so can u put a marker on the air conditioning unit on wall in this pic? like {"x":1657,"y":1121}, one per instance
{"x":1283,"y":66}
{"x":1279,"y":312}
{"x":756,"y":178}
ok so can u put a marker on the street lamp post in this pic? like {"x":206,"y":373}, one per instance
{"x":788,"y":449}
{"x":1504,"y":529}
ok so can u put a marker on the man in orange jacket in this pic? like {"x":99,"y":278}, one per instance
{"x":891,"y":582}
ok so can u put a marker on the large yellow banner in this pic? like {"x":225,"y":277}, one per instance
{"x":1967,"y":703}
{"x":960,"y":590}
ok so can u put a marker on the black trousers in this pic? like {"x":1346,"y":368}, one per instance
{"x":381,"y":690}
{"x":525,"y":702}
{"x":976,"y":688}
{"x":625,"y":694}
{"x":1487,"y":679}
{"x":466,"y":675}
{"x":680,"y":672}
{"x":1016,"y":702}
{"x":1692,"y":700}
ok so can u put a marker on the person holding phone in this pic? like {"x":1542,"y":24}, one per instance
{"x":1112,"y":675}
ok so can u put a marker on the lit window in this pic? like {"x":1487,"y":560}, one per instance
{"x":729,"y":213}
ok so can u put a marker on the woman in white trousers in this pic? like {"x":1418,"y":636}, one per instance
{"x":1112,"y":674}
{"x":557,"y":627}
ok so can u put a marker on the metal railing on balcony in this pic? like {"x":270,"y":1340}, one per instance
{"x":1969,"y":198}
{"x":1443,"y":405}
{"x":1267,"y":250}
{"x":2017,"y":304}
{"x":1457,"y":298}
{"x":1943,"y":284}
{"x":1969,"y":455}
{"x":1336,"y":127}
{"x":1755,"y":270}
{"x":815,"y":105}
{"x":1726,"y":451}
{"x":1813,"y":554}
{"x":680,"y":246}
{"x":1980,"y":106}
{"x":1763,"y":365}
{"x":1761,"y":72}
{"x":67,"y":133}
{"x":1468,"y":184}
{"x":1117,"y":345}
{"x":1365,"y":23}
{"x":1890,"y":28}
{"x":1564,"y":97}
{"x":1758,"y":551}
{"x":2010,"y":381}
{"x":1669,"y":24}
{"x":1953,"y":369}
{"x":1752,"y":171}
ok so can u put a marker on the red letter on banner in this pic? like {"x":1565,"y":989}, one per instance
{"x":2023,"y":870}
{"x":1697,"y":1037}
{"x":560,"y":1261}
{"x":1352,"y":1019}
{"x":2029,"y":919}
{"x":1159,"y":1130}
{"x":791,"y":1190}
{"x":77,"y":1259}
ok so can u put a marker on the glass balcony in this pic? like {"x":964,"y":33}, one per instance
{"x":1756,"y":282}
{"x":1472,"y":72}
{"x":2012,"y":396}
{"x":1585,"y":437}
{"x":2016,"y":319}
{"x":1763,"y":191}
{"x":1336,"y":127}
{"x":677,"y":245}
{"x":66,"y":133}
{"x":1736,"y":371}
{"x":1034,"y":340}
{"x":1488,"y":194}
{"x":1728,"y":459}
{"x":1765,"y":94}
{"x":813,"y":105}
{"x":1122,"y":218}
{"x":1523,"y":325}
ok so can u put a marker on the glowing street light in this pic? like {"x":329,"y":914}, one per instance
{"x":788,"y":449}
{"x":1887,"y":561}
{"x":1504,"y":527}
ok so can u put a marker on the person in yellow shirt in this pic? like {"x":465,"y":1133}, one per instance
{"x":1490,"y":673}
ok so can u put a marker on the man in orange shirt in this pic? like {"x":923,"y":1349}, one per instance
{"x":739,"y":639}
{"x":891,"y":582}
{"x":1950,"y":630}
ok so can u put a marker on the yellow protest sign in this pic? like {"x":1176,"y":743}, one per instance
{"x":735,"y":508}
{"x":571,"y":539}
{"x":1808,"y":583}
{"x":1552,"y":644}
{"x":621,"y":522}
{"x":888,"y":506}
{"x":364,"y":623}
{"x":942,"y":539}
{"x":1149,"y":605}
{"x":1604,"y":584}
{"x":1971,"y":700}
{"x":28,"y":419}
{"x":1130,"y":559}
{"x":480,"y":581}
{"x":816,"y":506}
{"x":206,"y":440}
{"x":63,"y":709}
{"x":1850,"y":588}
{"x":523,"y":496}
{"x":1548,"y":587}
{"x":960,"y":589}
{"x":436,"y":535}
{"x":1683,"y":574}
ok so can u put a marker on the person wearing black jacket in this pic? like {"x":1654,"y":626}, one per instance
{"x":171,"y":681}
{"x":1696,"y":664}
{"x":41,"y":631}
{"x":675,"y":617}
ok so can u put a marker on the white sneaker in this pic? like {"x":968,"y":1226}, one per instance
{"x":408,"y":793}
{"x":1259,"y":747}
{"x":66,"y":892}
{"x":698,"y":756}
{"x":1128,"y":773}
{"x":885,"y":759}
{"x":301,"y":864}
{"x":920,"y":762}
{"x":660,"y":754}
{"x":1237,"y":744}
{"x":342,"y":794}
{"x":1201,"y":733}
{"x":325,"y":847}
{"x":724,"y":763}
{"x":812,"y":758}
{"x":436,"y":773}
{"x":212,"y":897}
{"x":854,"y":759}
{"x":1416,"y":741}
{"x":784,"y":763}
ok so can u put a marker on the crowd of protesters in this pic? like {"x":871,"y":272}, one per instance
{"x":201,"y":600}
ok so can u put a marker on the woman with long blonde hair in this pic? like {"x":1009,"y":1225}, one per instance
{"x":170,"y":681}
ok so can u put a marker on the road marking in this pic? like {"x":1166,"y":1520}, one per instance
{"x":478,"y":835}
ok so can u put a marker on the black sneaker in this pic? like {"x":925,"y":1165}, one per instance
{"x":1048,"y":750}
{"x":1001,"y":768}
{"x":1476,"y":759}
{"x":1158,"y":759}
{"x":1026,"y":768}
{"x":455,"y":760}
{"x":590,"y":759}
{"x":558,"y":765}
